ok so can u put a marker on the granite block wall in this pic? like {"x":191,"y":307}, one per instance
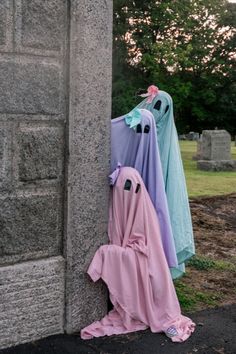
{"x":32,"y":128}
{"x":32,"y":300}
{"x":89,"y":155}
{"x":33,"y":116}
{"x":55,"y":98}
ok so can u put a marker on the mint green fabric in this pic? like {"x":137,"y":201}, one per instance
{"x":133,"y":118}
{"x":174,"y":179}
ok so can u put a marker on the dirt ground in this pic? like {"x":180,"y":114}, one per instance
{"x":213,"y":271}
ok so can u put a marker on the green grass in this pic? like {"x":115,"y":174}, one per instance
{"x":201,"y":263}
{"x":205,"y":263}
{"x":202,"y":183}
{"x":223,"y":265}
{"x":190,"y":299}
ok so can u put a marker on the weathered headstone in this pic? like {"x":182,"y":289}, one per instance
{"x":214,"y":151}
{"x":216,"y":145}
{"x":182,"y":137}
{"x":198,"y":155}
{"x":192,"y":136}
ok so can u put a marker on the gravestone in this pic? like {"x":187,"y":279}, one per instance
{"x":214,"y":151}
{"x":216,"y":145}
{"x":198,"y":155}
{"x":192,"y":136}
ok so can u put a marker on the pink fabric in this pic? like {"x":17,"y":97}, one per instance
{"x":151,"y":93}
{"x":135,"y":269}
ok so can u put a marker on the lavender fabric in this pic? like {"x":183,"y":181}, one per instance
{"x":138,"y":148}
{"x":174,"y":179}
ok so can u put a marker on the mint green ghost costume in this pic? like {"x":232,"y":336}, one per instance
{"x":174,"y":179}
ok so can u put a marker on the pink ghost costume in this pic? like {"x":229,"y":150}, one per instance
{"x":135,"y":269}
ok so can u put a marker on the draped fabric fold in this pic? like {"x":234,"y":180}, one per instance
{"x":139,"y":149}
{"x":174,"y":179}
{"x":135,"y":269}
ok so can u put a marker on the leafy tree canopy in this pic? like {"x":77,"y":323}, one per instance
{"x":185,"y":47}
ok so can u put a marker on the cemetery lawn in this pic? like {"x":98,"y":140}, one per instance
{"x":210,"y":278}
{"x":203,"y":183}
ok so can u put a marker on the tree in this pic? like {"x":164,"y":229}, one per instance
{"x":186,"y":47}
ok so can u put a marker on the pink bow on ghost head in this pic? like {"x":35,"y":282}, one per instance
{"x":151,"y":93}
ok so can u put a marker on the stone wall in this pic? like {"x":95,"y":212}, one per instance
{"x":32,"y":120}
{"x":89,"y":154}
{"x":55,"y":89}
{"x":32,"y":300}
